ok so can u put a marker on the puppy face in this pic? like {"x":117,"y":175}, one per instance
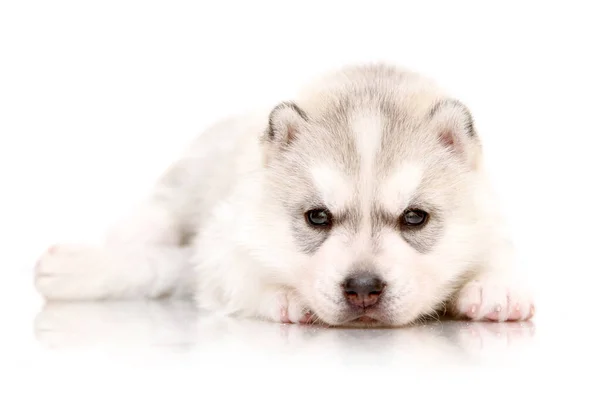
{"x":378,"y":197}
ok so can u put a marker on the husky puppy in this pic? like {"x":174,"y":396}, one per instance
{"x":363,"y":201}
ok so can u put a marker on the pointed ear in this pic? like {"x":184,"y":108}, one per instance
{"x":285,"y":121}
{"x":453,"y":123}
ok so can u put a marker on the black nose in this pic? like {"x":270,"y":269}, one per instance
{"x":363,"y":290}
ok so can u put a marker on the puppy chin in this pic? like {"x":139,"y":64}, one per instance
{"x":365,"y":322}
{"x":376,"y":318}
{"x":348,"y":318}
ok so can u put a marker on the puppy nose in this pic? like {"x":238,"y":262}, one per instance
{"x":363,"y":290}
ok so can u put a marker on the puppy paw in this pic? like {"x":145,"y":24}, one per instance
{"x":71,"y":272}
{"x":292,"y":311}
{"x":494,"y":299}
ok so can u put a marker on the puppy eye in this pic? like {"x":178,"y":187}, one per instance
{"x":414,"y":217}
{"x":320,"y":218}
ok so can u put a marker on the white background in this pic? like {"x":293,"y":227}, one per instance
{"x":98,"y":97}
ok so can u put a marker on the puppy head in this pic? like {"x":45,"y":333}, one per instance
{"x":377,"y":193}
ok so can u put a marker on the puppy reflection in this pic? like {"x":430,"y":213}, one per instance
{"x":179,"y":325}
{"x":116,"y":324}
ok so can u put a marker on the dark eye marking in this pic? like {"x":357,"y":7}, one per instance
{"x":419,"y":228}
{"x":414,"y":218}
{"x":320,"y":218}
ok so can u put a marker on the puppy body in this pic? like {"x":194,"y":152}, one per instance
{"x":231,"y":224}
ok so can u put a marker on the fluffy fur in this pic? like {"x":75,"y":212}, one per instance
{"x":226,"y":223}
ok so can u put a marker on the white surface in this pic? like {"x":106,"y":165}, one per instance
{"x":97,"y":98}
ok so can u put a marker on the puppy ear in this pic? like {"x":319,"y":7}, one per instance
{"x":285,"y":121}
{"x":453,"y":123}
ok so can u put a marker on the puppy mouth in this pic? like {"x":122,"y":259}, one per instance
{"x":364,"y":322}
{"x":366,"y":319}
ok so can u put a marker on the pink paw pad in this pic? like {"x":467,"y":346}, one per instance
{"x":515,"y":313}
{"x":291,"y":312}
{"x":49,"y":251}
{"x":307,"y":318}
{"x":283,"y":316}
{"x":472,"y":311}
{"x":494,"y":315}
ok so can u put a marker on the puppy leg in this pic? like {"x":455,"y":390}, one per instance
{"x":141,"y":258}
{"x":284,"y":306}
{"x":497,"y":293}
{"x":494,"y":298}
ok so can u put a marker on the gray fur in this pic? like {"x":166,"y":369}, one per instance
{"x":327,"y":135}
{"x":422,"y":239}
{"x":468,"y":126}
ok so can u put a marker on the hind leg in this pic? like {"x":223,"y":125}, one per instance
{"x":141,"y":258}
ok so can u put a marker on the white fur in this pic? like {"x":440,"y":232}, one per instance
{"x":214,"y":228}
{"x":333,"y":185}
{"x":367,"y":133}
{"x":397,"y":191}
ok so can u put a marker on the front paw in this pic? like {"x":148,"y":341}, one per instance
{"x":291,"y":310}
{"x":494,"y":299}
